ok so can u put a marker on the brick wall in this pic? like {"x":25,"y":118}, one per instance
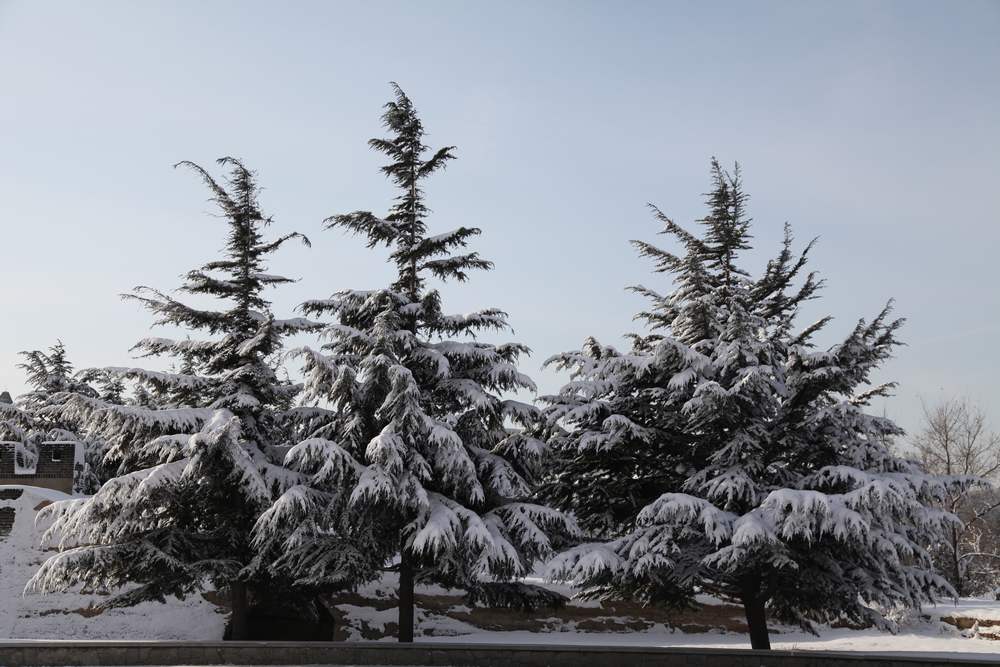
{"x":54,"y":469}
{"x":6,"y":520}
{"x":7,"y":459}
{"x":7,"y":513}
{"x":55,"y":460}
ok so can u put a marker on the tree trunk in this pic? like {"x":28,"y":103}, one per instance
{"x":239,"y":621}
{"x":405,"y":597}
{"x":956,"y":563}
{"x":753,"y":606}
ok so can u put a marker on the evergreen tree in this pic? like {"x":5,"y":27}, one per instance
{"x":48,"y":372}
{"x":413,"y":458}
{"x":36,"y":417}
{"x":194,"y":477}
{"x":16,"y":426}
{"x":725,"y":454}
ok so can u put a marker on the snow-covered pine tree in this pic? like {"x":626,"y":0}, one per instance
{"x":14,"y":426}
{"x":725,"y":454}
{"x":185,"y":521}
{"x":414,"y":458}
{"x":47,"y":372}
{"x":36,"y":416}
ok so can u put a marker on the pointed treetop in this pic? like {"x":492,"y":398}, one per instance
{"x":404,"y":228}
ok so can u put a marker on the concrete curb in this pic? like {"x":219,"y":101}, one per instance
{"x":92,"y":653}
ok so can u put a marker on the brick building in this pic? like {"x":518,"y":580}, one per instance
{"x":54,"y":470}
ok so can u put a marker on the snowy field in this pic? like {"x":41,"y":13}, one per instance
{"x":444,"y":618}
{"x":70,"y":616}
{"x":923,"y":641}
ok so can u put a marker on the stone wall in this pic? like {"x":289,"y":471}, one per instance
{"x":44,"y":654}
{"x":7,"y":450}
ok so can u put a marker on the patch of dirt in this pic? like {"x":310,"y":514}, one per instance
{"x":86,"y":612}
{"x":378,"y":604}
{"x":966,"y":623}
{"x":608,"y":616}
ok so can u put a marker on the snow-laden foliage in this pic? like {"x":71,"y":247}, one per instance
{"x":411,"y":455}
{"x":233,"y":363}
{"x":171,"y":529}
{"x":129,"y":429}
{"x":37,"y":416}
{"x":190,"y":516}
{"x":725,"y":453}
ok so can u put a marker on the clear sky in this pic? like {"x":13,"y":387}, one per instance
{"x":874,"y":125}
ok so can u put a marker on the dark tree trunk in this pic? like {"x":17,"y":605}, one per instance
{"x":405,"y":597}
{"x":956,"y":563}
{"x":239,"y":622}
{"x":753,"y":606}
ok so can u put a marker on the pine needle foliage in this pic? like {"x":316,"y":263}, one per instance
{"x":413,"y":461}
{"x":36,"y":416}
{"x":725,"y":454}
{"x":195,"y":475}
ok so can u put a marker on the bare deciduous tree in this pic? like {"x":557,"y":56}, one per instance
{"x":956,"y":440}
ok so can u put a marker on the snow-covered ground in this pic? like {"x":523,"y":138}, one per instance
{"x":983,"y":610}
{"x":923,"y":641}
{"x":924,"y":634}
{"x":443,"y":616}
{"x":71,"y":615}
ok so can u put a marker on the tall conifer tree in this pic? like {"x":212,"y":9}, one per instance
{"x":414,"y":458}
{"x":213,"y":458}
{"x":725,"y":454}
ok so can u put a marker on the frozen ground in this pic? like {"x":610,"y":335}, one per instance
{"x":70,"y":616}
{"x":443,"y":616}
{"x":925,"y":641}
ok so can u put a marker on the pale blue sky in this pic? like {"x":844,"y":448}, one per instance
{"x":873,"y":125}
